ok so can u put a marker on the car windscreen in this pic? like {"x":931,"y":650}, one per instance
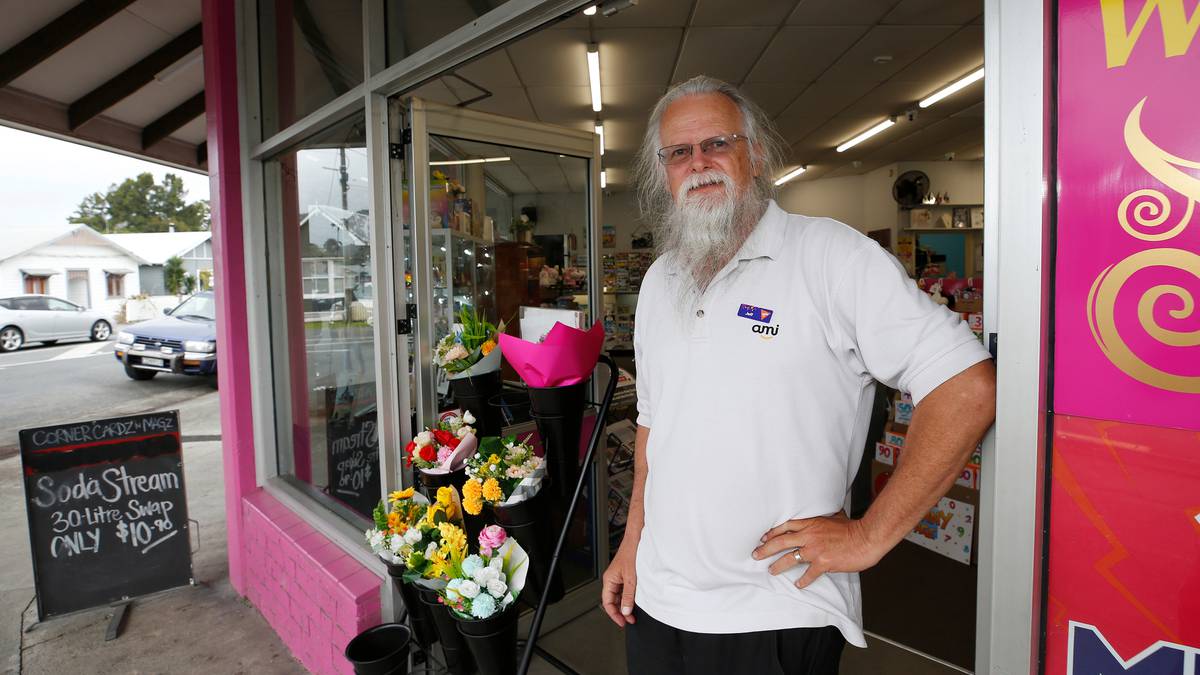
{"x":196,"y":307}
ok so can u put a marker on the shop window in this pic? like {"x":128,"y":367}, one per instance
{"x":310,"y":52}
{"x":414,"y":24}
{"x":39,"y":285}
{"x":115,"y":284}
{"x":329,"y":448}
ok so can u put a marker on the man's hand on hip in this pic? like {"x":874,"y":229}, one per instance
{"x":620,"y":583}
{"x":826,"y":544}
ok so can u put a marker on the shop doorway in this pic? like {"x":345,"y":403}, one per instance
{"x":825,"y":73}
{"x":476,"y":187}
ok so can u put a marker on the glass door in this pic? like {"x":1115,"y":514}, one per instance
{"x":504,"y":215}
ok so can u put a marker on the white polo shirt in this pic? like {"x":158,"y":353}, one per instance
{"x":758,"y":401}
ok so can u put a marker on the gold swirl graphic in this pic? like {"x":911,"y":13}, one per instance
{"x":1151,"y":214}
{"x":1101,"y":311}
{"x":1165,"y":167}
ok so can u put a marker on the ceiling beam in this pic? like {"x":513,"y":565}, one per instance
{"x":134,"y":77}
{"x":172,"y":121}
{"x":54,"y":36}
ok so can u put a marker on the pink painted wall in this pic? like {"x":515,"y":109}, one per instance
{"x":314,"y":595}
{"x":1127,"y":331}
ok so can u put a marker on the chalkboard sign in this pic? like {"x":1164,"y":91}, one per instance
{"x":107,"y":510}
{"x":352,"y":446}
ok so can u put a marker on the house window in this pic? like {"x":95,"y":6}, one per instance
{"x":316,"y":277}
{"x":37,"y":284}
{"x":116,"y":284}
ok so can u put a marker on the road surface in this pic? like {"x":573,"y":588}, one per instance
{"x":77,"y":380}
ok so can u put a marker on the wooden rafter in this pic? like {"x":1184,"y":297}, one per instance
{"x":54,"y":36}
{"x":172,"y":121}
{"x":133,"y":78}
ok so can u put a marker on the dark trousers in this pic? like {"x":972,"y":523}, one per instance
{"x":654,"y":648}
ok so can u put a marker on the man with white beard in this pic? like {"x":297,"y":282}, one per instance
{"x":759,"y":338}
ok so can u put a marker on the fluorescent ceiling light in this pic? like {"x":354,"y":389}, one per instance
{"x":600,"y":131}
{"x":603,"y":179}
{"x":790,"y":175}
{"x":593,"y":59}
{"x":483,"y":160}
{"x":961,"y":84}
{"x":590,"y":11}
{"x":865,"y":135}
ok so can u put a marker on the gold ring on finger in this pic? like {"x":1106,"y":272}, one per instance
{"x":797,"y":556}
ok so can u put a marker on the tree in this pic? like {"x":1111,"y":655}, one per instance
{"x":140,"y":205}
{"x":174,"y":275}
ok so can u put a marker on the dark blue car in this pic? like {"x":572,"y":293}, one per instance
{"x":183,"y":342}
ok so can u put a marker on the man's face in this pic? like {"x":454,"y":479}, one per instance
{"x":692,"y":119}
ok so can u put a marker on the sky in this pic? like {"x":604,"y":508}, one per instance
{"x":43,"y":179}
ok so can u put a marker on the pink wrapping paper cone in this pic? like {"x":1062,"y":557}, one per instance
{"x":567,"y":356}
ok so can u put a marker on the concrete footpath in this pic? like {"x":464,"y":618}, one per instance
{"x":206,"y":628}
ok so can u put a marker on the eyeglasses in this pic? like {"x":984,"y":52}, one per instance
{"x":709,"y":147}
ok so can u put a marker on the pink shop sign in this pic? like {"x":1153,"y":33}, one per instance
{"x":1127,"y":325}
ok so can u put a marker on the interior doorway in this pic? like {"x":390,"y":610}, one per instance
{"x":474,"y":188}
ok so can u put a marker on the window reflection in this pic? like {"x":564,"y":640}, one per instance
{"x":311,"y":52}
{"x":328,"y":308}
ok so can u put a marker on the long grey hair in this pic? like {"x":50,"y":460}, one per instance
{"x":650,"y":176}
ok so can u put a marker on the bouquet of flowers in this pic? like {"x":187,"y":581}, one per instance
{"x":443,"y":447}
{"x":503,"y":471}
{"x":408,"y":529}
{"x":471,"y":348}
{"x":481,"y":585}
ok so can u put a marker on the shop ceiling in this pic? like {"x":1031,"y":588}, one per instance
{"x":125,"y":75}
{"x":825,"y":70}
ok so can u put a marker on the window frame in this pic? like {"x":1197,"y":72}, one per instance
{"x":32,"y":283}
{"x":109,"y":278}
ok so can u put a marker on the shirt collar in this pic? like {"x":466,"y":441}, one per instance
{"x":767,"y":237}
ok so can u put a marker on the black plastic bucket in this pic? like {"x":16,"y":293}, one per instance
{"x":381,"y":650}
{"x":493,"y":641}
{"x":472,"y":393}
{"x":558,"y":413}
{"x":423,"y":631}
{"x":454,"y":647}
{"x":533,"y":525}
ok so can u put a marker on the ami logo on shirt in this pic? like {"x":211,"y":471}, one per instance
{"x":762,"y":318}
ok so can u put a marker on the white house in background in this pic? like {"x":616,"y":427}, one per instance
{"x":73,"y":262}
{"x":193,"y":248}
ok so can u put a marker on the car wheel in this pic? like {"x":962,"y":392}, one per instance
{"x":101,"y":331}
{"x":11,"y":339}
{"x":139,"y":374}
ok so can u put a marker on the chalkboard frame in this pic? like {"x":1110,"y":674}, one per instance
{"x":113,"y":437}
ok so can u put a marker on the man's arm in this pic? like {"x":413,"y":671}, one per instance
{"x":947,"y":425}
{"x":620,"y":579}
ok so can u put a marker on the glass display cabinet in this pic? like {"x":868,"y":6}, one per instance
{"x":464,"y":275}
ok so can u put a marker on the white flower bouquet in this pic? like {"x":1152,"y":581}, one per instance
{"x":486,"y":583}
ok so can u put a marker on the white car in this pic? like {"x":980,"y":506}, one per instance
{"x":45,"y":319}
